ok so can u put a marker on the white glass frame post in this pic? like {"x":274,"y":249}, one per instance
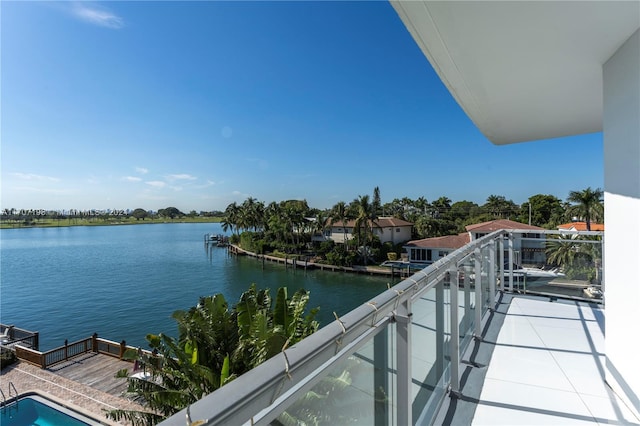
{"x":467,"y":297}
{"x":454,"y":342}
{"x":501,"y":256}
{"x":492,"y":275}
{"x":477,"y":259}
{"x":403,"y":352}
{"x":511,"y":262}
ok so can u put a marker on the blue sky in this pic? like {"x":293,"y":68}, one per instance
{"x":146,"y":104}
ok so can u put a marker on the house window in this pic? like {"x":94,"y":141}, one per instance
{"x":420,"y":255}
{"x":397,"y":229}
{"x":443,"y":253}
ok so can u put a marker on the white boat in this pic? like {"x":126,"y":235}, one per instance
{"x":537,"y":273}
{"x":593,"y":292}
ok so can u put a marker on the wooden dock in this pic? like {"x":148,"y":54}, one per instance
{"x":95,"y":370}
{"x":295,"y":263}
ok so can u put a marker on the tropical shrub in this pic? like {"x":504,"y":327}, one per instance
{"x":215,"y":345}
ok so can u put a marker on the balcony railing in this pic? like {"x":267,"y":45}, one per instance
{"x":394,"y":359}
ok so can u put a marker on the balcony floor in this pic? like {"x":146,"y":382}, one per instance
{"x":544,"y":365}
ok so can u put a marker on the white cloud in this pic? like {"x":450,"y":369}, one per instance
{"x":34,"y":177}
{"x":142,"y":170}
{"x":156,"y":183}
{"x":132,"y":179}
{"x":206,"y":185}
{"x":96,"y":15}
{"x":176,"y":188}
{"x":182,"y":176}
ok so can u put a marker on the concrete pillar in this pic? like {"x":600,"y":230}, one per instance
{"x":621,"y":128}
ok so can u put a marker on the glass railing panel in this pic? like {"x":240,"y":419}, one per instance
{"x":466,"y":268}
{"x":466,"y":301}
{"x":431,"y":331}
{"x":486,"y":266}
{"x":565,"y":265}
{"x":358,"y":389}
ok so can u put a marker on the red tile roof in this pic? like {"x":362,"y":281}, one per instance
{"x":382,"y":222}
{"x":448,"y":241}
{"x":582,"y":226}
{"x":495,"y":225}
{"x":457,"y":241}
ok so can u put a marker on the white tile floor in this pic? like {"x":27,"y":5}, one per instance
{"x":547,"y":368}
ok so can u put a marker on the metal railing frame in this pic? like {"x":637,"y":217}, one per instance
{"x":263,"y":393}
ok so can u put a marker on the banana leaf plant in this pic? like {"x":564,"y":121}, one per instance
{"x":215,"y":345}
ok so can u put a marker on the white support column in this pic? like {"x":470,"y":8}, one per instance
{"x":621,"y":128}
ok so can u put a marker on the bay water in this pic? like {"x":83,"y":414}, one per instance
{"x":124,"y":282}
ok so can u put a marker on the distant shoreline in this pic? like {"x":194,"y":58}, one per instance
{"x":65,"y":223}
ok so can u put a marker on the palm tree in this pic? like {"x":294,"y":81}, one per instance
{"x":376,"y":203}
{"x":499,"y":206}
{"x":587,"y":205}
{"x":421,"y":204}
{"x":364,"y":220}
{"x":231,"y":218}
{"x":339,"y":214}
{"x":560,"y":251}
{"x":321,"y":221}
{"x":252,"y":214}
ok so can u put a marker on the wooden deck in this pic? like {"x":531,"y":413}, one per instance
{"x":95,"y":370}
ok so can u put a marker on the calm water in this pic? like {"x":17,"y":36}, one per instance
{"x":125,"y":281}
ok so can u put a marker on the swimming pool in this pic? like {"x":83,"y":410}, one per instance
{"x":34,"y":409}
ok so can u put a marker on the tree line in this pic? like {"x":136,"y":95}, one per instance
{"x":288,"y":226}
{"x":33,"y":217}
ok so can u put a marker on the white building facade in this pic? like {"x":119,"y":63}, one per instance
{"x":525,"y":71}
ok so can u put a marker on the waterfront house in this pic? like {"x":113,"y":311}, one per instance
{"x":527,"y":250}
{"x":387,"y":229}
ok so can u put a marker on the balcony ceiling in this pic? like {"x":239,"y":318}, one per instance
{"x":523,"y":70}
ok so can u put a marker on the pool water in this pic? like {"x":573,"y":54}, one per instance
{"x":36,"y":410}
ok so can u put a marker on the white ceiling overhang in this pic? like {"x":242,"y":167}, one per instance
{"x":523,"y":70}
